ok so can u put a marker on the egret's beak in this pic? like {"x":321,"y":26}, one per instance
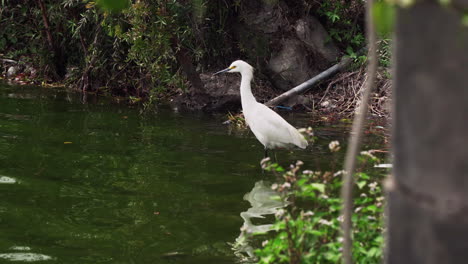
{"x":225,"y":70}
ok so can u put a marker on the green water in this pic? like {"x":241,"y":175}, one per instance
{"x":101,"y":183}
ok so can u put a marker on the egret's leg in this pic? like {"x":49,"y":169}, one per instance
{"x":274,"y":153}
{"x":266,"y":153}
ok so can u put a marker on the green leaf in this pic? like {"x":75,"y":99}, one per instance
{"x":373,"y":252}
{"x":465,"y":19}
{"x":379,"y":239}
{"x":319,"y":187}
{"x":361,"y":184}
{"x":372,"y":208}
{"x":350,"y":52}
{"x":114,"y":5}
{"x":383,"y":14}
{"x":301,"y":182}
{"x":363,"y":176}
{"x":445,"y":2}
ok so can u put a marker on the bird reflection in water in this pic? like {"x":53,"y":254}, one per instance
{"x":262,"y":202}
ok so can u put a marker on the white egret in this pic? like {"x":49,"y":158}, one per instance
{"x":269,"y":127}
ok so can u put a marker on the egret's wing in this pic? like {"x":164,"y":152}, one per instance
{"x":271,"y":129}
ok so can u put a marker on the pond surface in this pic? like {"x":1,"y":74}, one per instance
{"x":101,"y":183}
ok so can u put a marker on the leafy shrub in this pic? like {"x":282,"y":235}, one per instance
{"x":308,"y":230}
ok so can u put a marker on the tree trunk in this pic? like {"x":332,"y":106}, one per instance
{"x":428,"y":196}
{"x":185,"y":61}
{"x":58,"y":61}
{"x":45,"y":19}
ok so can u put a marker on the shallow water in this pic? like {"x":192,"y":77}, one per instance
{"x":101,"y":183}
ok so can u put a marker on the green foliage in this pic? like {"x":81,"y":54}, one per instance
{"x":114,"y":5}
{"x":344,"y":22}
{"x":18,"y":36}
{"x":384,"y":52}
{"x":465,"y":19}
{"x":359,"y":59}
{"x":383,"y":15}
{"x":108,"y":46}
{"x":308,"y":230}
{"x":150,"y":31}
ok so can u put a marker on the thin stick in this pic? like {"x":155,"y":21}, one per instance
{"x":355,"y":140}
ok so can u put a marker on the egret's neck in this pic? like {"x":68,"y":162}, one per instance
{"x":247,"y":98}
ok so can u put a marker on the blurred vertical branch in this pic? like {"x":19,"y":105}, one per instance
{"x":356,"y":137}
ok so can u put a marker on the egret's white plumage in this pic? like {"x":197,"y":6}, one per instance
{"x":269,"y":127}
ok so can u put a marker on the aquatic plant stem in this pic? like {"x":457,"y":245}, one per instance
{"x":355,"y":139}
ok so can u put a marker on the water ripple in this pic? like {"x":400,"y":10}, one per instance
{"x":7,"y":180}
{"x":23,"y":256}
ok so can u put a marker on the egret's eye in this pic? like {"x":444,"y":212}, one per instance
{"x":232,"y":67}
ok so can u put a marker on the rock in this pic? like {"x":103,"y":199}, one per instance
{"x":311,"y":32}
{"x":223,"y":89}
{"x":263,"y":16}
{"x":290,"y":65}
{"x":12,"y":71}
{"x":290,"y":50}
{"x":221,"y":93}
{"x":287,"y":48}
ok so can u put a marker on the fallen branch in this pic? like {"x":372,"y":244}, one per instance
{"x":303,"y":87}
{"x":9,"y":61}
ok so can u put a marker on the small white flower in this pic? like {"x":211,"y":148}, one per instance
{"x":363,"y":195}
{"x":357,"y":209}
{"x":340,"y":239}
{"x":309,"y":213}
{"x":338,"y":173}
{"x":323,"y":196}
{"x":371,"y":217}
{"x":334,"y":146}
{"x":308,"y":172}
{"x":372,"y":186}
{"x":340,"y":218}
{"x":367,"y":153}
{"x":325,"y":222}
{"x":299,"y":163}
{"x":264,"y":243}
{"x":286,"y":185}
